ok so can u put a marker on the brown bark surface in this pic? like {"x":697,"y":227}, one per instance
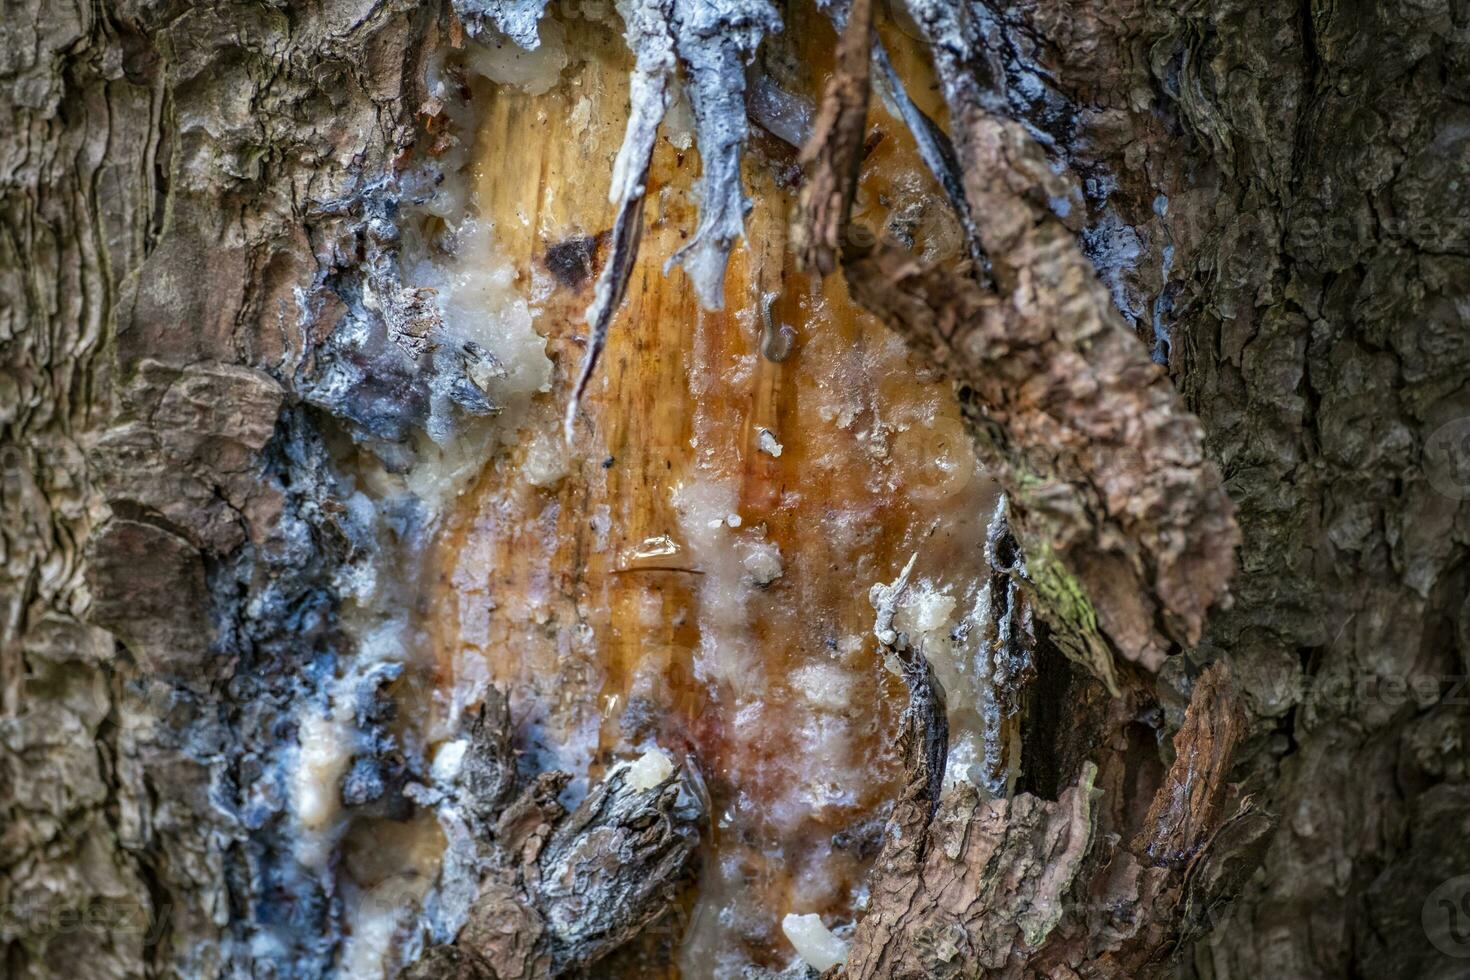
{"x":1218,"y":296}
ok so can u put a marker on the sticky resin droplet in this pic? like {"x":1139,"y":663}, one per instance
{"x":814,"y":942}
{"x":652,"y":768}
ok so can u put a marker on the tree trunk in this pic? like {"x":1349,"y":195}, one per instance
{"x":488,"y":492}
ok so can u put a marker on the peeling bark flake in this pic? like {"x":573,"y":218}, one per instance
{"x":648,"y":36}
{"x":716,"y":40}
{"x":1025,"y":887}
{"x":1129,"y":536}
{"x":516,"y":19}
{"x":834,"y":152}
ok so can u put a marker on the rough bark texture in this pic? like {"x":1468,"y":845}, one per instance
{"x":1276,"y":201}
{"x":200,"y":292}
{"x":159,"y":163}
{"x":1295,"y":197}
{"x":833,"y":152}
{"x":1308,"y":265}
{"x":1024,"y":887}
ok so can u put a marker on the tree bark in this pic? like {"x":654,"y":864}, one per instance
{"x":1209,"y":333}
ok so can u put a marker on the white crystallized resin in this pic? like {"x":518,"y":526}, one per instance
{"x":814,"y":942}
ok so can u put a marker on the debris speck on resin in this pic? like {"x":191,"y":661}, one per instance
{"x":766,"y":442}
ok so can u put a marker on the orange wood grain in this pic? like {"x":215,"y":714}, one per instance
{"x":558,"y":591}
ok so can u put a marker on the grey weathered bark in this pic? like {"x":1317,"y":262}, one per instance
{"x":1276,"y":199}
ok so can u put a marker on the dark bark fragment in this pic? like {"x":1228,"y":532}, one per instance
{"x":1127,"y":532}
{"x":1027,"y":888}
{"x":1009,"y":643}
{"x":488,"y":771}
{"x":562,"y":891}
{"x":1130,"y":533}
{"x":614,"y":865}
{"x":832,"y":155}
{"x":716,"y":40}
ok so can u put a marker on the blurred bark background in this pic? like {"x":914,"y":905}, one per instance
{"x":1287,"y":229}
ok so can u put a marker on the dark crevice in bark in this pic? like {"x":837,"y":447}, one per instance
{"x":1054,"y":710}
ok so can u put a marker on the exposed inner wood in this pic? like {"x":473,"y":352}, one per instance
{"x":699,"y":577}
